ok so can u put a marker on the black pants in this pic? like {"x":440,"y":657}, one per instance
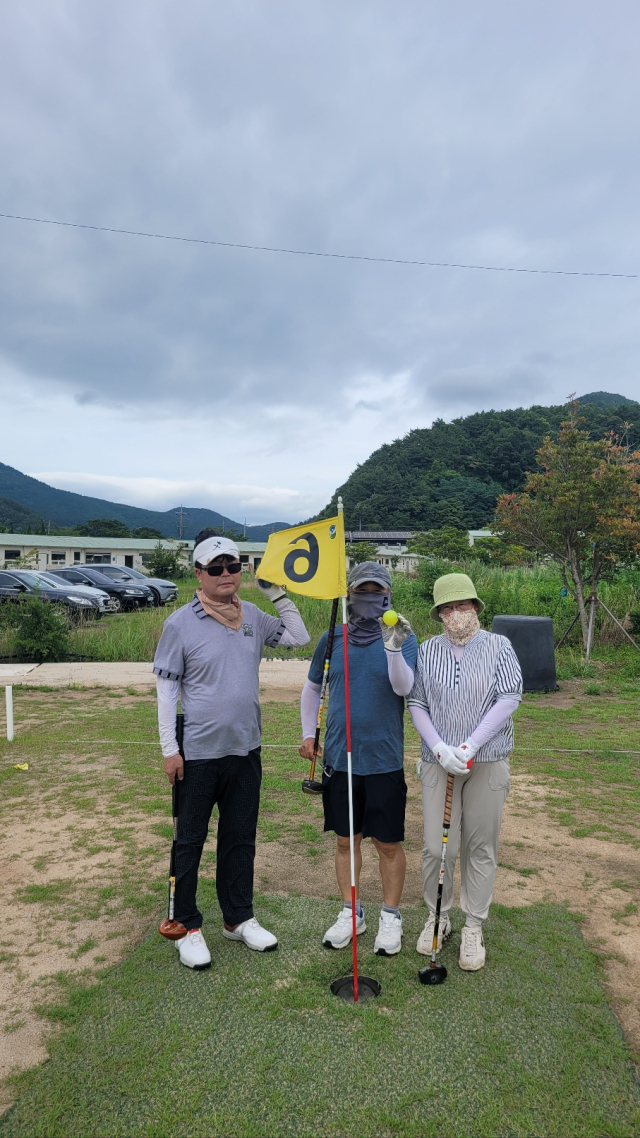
{"x":234,"y":784}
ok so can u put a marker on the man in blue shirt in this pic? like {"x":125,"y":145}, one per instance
{"x":381,"y":671}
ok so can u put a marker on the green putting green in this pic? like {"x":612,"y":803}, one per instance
{"x":257,"y":1046}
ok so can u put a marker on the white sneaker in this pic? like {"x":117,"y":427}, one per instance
{"x":389,"y":939}
{"x":253,"y":935}
{"x":339,"y":935}
{"x":425,"y":940}
{"x":193,"y":950}
{"x":472,"y":951}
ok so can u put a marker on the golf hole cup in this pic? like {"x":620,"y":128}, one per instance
{"x":390,"y":617}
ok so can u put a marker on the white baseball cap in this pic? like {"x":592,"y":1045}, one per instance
{"x":213,"y":547}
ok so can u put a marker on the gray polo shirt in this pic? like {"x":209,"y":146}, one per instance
{"x":218,"y":670}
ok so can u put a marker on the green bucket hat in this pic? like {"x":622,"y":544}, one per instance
{"x":453,"y":587}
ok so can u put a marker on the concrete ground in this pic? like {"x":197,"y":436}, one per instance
{"x":279,"y":679}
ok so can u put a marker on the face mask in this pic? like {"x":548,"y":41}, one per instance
{"x":460,"y":626}
{"x":364,"y":611}
{"x":368,"y":606}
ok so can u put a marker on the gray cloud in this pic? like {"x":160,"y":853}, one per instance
{"x":491,"y":133}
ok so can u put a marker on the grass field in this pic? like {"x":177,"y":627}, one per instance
{"x":257,"y":1046}
{"x":527,"y":1047}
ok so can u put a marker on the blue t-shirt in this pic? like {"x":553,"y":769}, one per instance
{"x":377,"y":713}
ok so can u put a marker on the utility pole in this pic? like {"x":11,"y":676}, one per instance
{"x":182,"y":516}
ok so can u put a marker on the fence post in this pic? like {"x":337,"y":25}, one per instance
{"x":8,"y":692}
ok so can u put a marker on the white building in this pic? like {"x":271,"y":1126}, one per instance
{"x":47,"y":552}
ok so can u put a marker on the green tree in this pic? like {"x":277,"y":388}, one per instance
{"x":449,"y":543}
{"x":42,"y":631}
{"x":103,"y":527}
{"x":167,"y":562}
{"x":497,"y":551}
{"x":146,"y":532}
{"x":582,"y":509}
{"x":359,"y":551}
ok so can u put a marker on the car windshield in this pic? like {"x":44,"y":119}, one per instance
{"x":33,"y":579}
{"x":116,"y":573}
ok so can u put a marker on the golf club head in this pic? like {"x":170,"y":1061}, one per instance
{"x":172,"y":930}
{"x":310,"y":786}
{"x":432,"y":974}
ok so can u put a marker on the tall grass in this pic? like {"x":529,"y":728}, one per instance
{"x":524,"y":591}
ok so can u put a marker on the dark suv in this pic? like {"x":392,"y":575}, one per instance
{"x":128,"y":595}
{"x":25,"y":583}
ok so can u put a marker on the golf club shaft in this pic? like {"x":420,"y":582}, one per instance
{"x":174,"y":812}
{"x":446,"y":822}
{"x":323,"y":688}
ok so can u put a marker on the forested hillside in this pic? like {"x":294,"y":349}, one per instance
{"x":452,"y":473}
{"x":63,"y":508}
{"x":15,"y":518}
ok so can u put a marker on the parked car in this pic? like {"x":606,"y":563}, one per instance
{"x":163,"y":591}
{"x":105,"y":602}
{"x":127,"y":596}
{"x":19,"y":584}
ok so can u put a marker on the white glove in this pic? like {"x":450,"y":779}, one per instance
{"x":466,"y":751}
{"x":449,"y":760}
{"x":273,"y":592}
{"x":394,"y":635}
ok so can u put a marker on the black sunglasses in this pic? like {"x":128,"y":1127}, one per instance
{"x":218,"y":570}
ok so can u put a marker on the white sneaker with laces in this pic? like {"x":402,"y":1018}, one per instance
{"x":253,"y":935}
{"x":389,"y":939}
{"x":339,"y":935}
{"x":193,"y":950}
{"x":472,"y":951}
{"x":425,"y":940}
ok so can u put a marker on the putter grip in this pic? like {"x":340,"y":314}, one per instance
{"x":180,"y":732}
{"x":448,"y":800}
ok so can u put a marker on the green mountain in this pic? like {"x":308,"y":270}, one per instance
{"x":452,"y":473}
{"x":15,"y":518}
{"x":62,"y":508}
{"x":605,"y":399}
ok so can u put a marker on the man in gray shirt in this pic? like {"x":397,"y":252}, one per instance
{"x":209,"y":655}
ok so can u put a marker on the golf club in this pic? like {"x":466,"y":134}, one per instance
{"x":169,"y":927}
{"x":310,"y":784}
{"x":434,"y":973}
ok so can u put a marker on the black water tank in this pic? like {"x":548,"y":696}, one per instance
{"x":532,"y":639}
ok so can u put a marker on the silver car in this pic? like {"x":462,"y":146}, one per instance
{"x":163,"y":591}
{"x":104,"y":600}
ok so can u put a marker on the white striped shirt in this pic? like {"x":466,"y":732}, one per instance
{"x":458,"y":694}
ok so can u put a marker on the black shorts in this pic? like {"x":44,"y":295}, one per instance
{"x":379,"y":802}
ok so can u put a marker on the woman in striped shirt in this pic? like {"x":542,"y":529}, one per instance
{"x":467,"y":685}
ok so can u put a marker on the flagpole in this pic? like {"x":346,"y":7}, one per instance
{"x":347,"y":709}
{"x":352,"y":860}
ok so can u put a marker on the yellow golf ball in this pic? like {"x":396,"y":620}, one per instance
{"x":390,"y":617}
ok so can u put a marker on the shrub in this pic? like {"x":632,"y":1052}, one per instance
{"x":42,"y":631}
{"x":166,"y":562}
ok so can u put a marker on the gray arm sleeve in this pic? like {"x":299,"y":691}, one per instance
{"x":295,"y":634}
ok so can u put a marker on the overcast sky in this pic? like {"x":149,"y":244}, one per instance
{"x":154,"y":372}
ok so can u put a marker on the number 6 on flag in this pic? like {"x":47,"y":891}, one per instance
{"x":309,"y":560}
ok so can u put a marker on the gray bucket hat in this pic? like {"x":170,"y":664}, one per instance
{"x":369,"y":571}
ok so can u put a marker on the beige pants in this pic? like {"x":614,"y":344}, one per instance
{"x":476,"y":817}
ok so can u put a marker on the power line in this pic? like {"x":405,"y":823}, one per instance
{"x":315,"y":253}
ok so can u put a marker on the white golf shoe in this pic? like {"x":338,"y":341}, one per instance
{"x":425,"y":940}
{"x":389,"y":939}
{"x":253,"y":935}
{"x":193,"y":950}
{"x":339,"y":935}
{"x":472,"y":951}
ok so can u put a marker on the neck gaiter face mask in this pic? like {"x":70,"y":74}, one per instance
{"x":461,"y":626}
{"x":363,"y":611}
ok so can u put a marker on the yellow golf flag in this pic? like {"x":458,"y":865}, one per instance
{"x":308,"y":559}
